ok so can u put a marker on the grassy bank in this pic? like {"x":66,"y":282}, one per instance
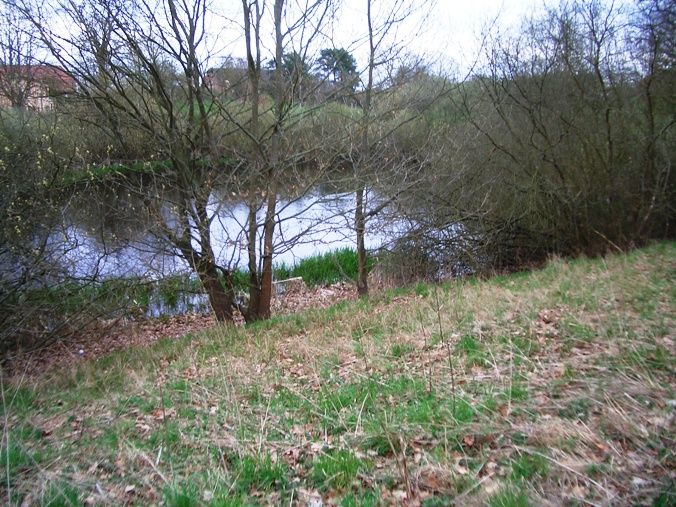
{"x":551,"y":387}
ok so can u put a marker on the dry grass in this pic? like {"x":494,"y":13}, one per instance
{"x":546,"y":388}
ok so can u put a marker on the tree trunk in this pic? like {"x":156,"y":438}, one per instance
{"x":271,"y":204}
{"x":360,"y":227}
{"x":262,"y":310}
{"x":260,"y":293}
{"x":266,"y":273}
{"x":359,"y":212}
{"x":220,"y":298}
{"x":254,"y":282}
{"x":252,"y":17}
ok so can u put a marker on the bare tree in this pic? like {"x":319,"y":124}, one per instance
{"x":120,"y":52}
{"x":369,"y":155}
{"x":17,"y":48}
{"x":570,"y":162}
{"x":653,"y":37}
{"x":273,"y":157}
{"x":143,"y":66}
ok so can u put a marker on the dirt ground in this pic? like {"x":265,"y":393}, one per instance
{"x":104,"y":337}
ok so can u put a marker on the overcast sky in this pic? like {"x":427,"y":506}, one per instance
{"x":447,"y":32}
{"x":451,"y":29}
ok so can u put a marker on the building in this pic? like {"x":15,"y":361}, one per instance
{"x":33,"y":86}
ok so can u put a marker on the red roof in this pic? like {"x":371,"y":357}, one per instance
{"x":55,"y":77}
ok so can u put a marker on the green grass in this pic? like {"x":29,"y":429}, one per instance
{"x":336,"y":469}
{"x":181,"y":497}
{"x":61,"y":494}
{"x":363,"y":401}
{"x":528,"y":467}
{"x":20,"y":399}
{"x":473,"y":351}
{"x":577,"y":408}
{"x":323,"y":269}
{"x":401,"y":349}
{"x":15,"y":458}
{"x":509,"y":498}
{"x":258,"y":473}
{"x":363,"y":498}
{"x":106,"y":173}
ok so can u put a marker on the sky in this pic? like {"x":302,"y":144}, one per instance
{"x":448,"y":32}
{"x":446,"y":35}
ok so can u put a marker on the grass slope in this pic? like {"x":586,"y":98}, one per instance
{"x":548,"y":388}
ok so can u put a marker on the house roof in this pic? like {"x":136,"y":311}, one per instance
{"x":55,"y":77}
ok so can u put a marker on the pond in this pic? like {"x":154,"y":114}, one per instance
{"x":313,"y":224}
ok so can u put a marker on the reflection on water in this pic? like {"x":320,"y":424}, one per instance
{"x":313,"y":224}
{"x":182,"y":302}
{"x":92,"y":245}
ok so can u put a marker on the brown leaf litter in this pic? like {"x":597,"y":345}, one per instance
{"x":104,"y":337}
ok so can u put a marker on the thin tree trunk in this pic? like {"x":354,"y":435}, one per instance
{"x":360,"y":227}
{"x":360,"y":213}
{"x":266,"y":273}
{"x":254,"y":282}
{"x":252,"y":16}
{"x":271,"y":204}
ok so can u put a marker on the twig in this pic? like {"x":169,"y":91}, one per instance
{"x":145,"y":458}
{"x":448,"y":346}
{"x":474,"y":486}
{"x":404,"y":466}
{"x":401,"y":459}
{"x":565,"y":467}
{"x":422,"y":329}
{"x":262,"y":431}
{"x":609,"y":241}
{"x":164,"y":413}
{"x":6,"y":437}
{"x":361,"y":410}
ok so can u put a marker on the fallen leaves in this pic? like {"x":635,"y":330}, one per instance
{"x":267,"y":397}
{"x":546,"y":325}
{"x":104,"y":337}
{"x":301,"y":298}
{"x":50,"y":425}
{"x":436,"y":479}
{"x":163,"y":414}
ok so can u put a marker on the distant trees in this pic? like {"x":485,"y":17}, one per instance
{"x":294,"y":66}
{"x":575,"y":140}
{"x":340,"y":65}
{"x":297,"y":71}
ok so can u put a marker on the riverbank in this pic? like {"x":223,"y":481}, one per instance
{"x":104,"y":337}
{"x":550,"y":387}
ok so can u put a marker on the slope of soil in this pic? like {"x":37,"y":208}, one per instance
{"x":554,"y":387}
{"x":103,"y":337}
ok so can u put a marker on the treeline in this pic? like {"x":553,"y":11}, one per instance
{"x":561,"y":141}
